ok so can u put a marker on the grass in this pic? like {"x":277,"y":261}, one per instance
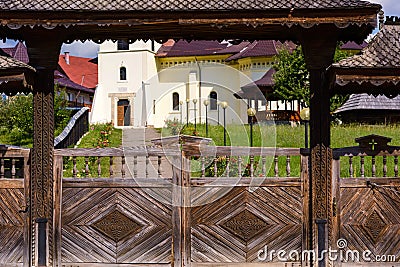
{"x":286,"y":136}
{"x":99,"y":135}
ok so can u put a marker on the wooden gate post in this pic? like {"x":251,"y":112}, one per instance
{"x":43,"y":50}
{"x":181,"y":194}
{"x":319,"y":44}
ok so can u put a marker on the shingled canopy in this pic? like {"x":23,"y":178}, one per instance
{"x":15,"y":76}
{"x":377,"y":69}
{"x":46,"y":24}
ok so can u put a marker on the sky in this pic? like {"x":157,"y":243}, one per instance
{"x":89,"y":49}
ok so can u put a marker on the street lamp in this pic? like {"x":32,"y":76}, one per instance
{"x":224,"y":105}
{"x":251,"y":112}
{"x":187,"y":111}
{"x":180,"y":108}
{"x":195,"y":102}
{"x":206,"y":103}
{"x":305,"y":116}
{"x":218,"y":104}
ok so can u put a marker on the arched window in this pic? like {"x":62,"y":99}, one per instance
{"x":213,"y":100}
{"x":175,"y":101}
{"x":122,"y":73}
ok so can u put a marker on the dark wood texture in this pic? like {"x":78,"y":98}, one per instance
{"x":115,"y":224}
{"x":14,"y":207}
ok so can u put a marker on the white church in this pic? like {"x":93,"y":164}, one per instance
{"x":145,"y":83}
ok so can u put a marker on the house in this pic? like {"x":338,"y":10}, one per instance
{"x":142,"y":86}
{"x":77,"y":75}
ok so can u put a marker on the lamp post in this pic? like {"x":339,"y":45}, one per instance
{"x":218,"y":104}
{"x":187,"y":111}
{"x":195,"y":122}
{"x":180,"y":108}
{"x":224,"y":105}
{"x":206,"y":103}
{"x":251,"y":112}
{"x":305,"y":116}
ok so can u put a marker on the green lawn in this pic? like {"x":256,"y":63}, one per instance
{"x":99,"y":135}
{"x":286,"y":136}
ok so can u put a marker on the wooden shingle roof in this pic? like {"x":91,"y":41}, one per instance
{"x":382,"y":52}
{"x":176,"y":5}
{"x":370,"y":102}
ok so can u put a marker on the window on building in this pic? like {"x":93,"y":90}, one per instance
{"x":122,"y":74}
{"x":122,"y":45}
{"x":213,"y":100}
{"x":175,"y":101}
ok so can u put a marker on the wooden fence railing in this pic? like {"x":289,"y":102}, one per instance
{"x":76,"y":128}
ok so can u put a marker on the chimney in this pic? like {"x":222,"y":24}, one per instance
{"x":66,"y":57}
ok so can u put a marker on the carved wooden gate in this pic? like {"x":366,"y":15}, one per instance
{"x":120,"y":220}
{"x":367,"y":221}
{"x":14,"y":215}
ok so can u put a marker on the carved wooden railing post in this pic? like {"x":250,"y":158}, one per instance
{"x":43,"y":54}
{"x":319,"y":45}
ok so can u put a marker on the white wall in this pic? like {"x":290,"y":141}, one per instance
{"x":140,"y":66}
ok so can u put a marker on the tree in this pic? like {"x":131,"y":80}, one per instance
{"x":292,"y":77}
{"x":16,"y":127}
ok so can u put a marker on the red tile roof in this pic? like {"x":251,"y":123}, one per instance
{"x":80,"y":70}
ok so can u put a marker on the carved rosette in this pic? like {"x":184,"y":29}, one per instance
{"x":116,"y":225}
{"x":245,"y":225}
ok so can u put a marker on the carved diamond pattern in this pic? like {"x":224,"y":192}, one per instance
{"x":245,"y":225}
{"x":375,"y":224}
{"x":116,"y":225}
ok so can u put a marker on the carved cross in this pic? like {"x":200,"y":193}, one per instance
{"x":373,"y":143}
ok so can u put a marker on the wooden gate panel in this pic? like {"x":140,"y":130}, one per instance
{"x":240,"y":224}
{"x":370,"y":220}
{"x":12,"y":223}
{"x":114,"y":225}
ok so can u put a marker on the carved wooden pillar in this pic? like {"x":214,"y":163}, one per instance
{"x":43,"y":54}
{"x":319,"y":45}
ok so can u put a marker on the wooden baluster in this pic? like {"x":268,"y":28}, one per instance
{"x":396,"y":166}
{"x":203,"y":167}
{"x":2,"y":168}
{"x":215,"y":167}
{"x":123,"y":166}
{"x":13,"y":170}
{"x":159,"y":166}
{"x":111,"y":166}
{"x":86,"y":166}
{"x":362,"y":168}
{"x":351,"y":168}
{"x":74,"y":169}
{"x":264,"y":167}
{"x":251,"y":166}
{"x":384,"y":166}
{"x":287,"y":166}
{"x":227,"y":170}
{"x":147,"y":166}
{"x":276,"y":169}
{"x":373,"y":167}
{"x":135,"y":170}
{"x":240,"y":161}
{"x":98,"y":166}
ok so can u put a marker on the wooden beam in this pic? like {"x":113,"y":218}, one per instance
{"x":319,"y":44}
{"x":43,"y":52}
